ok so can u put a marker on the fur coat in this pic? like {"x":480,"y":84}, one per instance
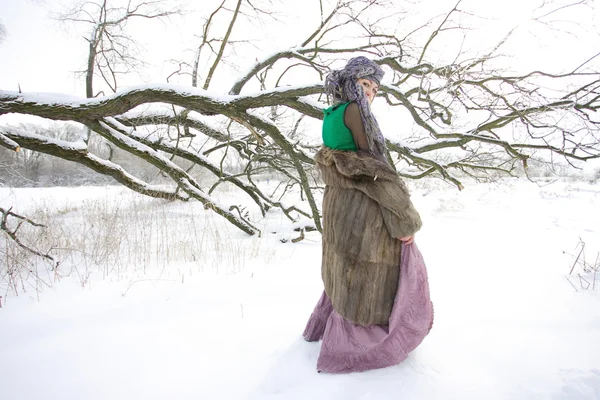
{"x":366,"y":208}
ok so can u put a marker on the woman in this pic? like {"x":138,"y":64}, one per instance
{"x":375,"y":308}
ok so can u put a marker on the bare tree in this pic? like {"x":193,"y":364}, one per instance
{"x":512,"y":118}
{"x":111,"y":50}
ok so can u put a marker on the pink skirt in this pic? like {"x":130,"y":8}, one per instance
{"x":348,"y":347}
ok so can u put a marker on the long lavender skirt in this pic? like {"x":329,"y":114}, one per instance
{"x":348,"y":347}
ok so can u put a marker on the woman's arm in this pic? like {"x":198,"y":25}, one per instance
{"x":395,"y":225}
{"x":353,"y":121}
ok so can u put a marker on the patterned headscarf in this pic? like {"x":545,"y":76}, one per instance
{"x":342,"y":86}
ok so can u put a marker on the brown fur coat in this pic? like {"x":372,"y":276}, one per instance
{"x":366,"y":207}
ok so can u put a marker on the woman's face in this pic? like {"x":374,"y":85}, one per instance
{"x":369,"y":87}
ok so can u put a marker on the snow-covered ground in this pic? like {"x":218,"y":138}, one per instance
{"x":225,"y":322}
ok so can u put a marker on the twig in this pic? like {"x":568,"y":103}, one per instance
{"x":596,"y":266}
{"x":299,"y":238}
{"x":568,"y":280}
{"x":586,"y":281}
{"x":13,"y":234}
{"x":577,"y":259}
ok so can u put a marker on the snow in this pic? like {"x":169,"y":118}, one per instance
{"x":312,"y":102}
{"x":8,"y":141}
{"x":508,"y":325}
{"x":112,"y":166}
{"x":183,"y":90}
{"x":200,"y":194}
{"x":69,"y":100}
{"x":47,"y":98}
{"x":78,"y":145}
{"x":134,"y":144}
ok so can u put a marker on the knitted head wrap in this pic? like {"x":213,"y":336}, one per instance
{"x":342,"y":86}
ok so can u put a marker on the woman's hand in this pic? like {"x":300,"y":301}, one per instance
{"x":407,"y":239}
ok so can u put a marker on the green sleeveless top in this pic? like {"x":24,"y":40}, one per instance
{"x":336,"y":134}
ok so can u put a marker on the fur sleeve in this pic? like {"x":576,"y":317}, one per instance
{"x":403,"y":225}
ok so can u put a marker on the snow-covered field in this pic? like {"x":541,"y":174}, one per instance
{"x":190,"y":308}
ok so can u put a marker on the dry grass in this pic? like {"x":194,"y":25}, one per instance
{"x":120,"y":237}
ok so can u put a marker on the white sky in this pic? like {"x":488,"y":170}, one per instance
{"x":39,"y":56}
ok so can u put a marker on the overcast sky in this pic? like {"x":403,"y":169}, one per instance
{"x":39,"y":55}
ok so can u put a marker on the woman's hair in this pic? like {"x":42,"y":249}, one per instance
{"x":341,"y":86}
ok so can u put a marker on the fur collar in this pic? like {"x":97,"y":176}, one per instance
{"x":356,"y":165}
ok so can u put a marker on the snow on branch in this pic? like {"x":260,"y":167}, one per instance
{"x":117,"y":133}
{"x":77,"y":152}
{"x":9,"y":143}
{"x":12,"y":233}
{"x":58,"y":108}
